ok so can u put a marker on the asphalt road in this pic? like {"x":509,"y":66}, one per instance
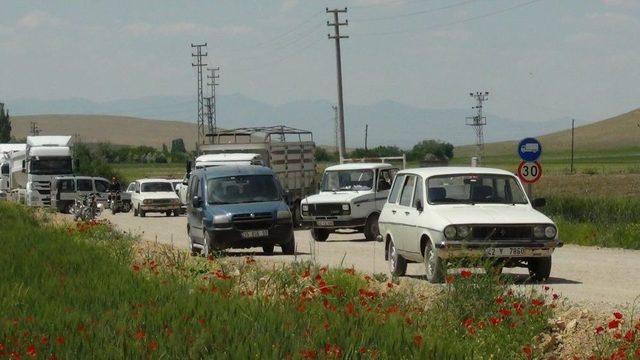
{"x":604,"y":278}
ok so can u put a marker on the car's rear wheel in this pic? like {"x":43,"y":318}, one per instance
{"x":433,"y":264}
{"x":167,"y":213}
{"x":539,"y":268}
{"x":371,"y":229}
{"x":289,"y":248}
{"x":319,"y":234}
{"x":176,"y":212}
{"x":397,"y":264}
{"x":267,"y":249}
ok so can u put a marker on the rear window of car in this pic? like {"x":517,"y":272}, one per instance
{"x":395,"y":190}
{"x":156,"y":187}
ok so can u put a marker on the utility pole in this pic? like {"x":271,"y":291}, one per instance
{"x":366,"y":136}
{"x":573,"y":124}
{"x":336,"y":35}
{"x":199,"y":65}
{"x":213,"y":119}
{"x":478,"y":122}
{"x":336,"y":127}
{"x":35,"y":130}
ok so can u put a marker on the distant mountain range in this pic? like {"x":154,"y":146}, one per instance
{"x":390,"y":122}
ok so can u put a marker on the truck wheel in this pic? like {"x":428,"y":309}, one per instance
{"x":433,"y":264}
{"x":371,"y":229}
{"x":319,"y":234}
{"x":397,"y":264}
{"x":539,"y":268}
{"x":176,"y":212}
{"x":267,"y":249}
{"x":167,"y":213}
{"x":290,"y":247}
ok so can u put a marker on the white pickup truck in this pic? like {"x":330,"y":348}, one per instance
{"x":351,"y":198}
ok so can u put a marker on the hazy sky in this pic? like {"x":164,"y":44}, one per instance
{"x":540,"y":60}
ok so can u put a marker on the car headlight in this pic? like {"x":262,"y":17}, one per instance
{"x":538,"y":231}
{"x":450,"y":232}
{"x":550,"y":232}
{"x":463,"y":231}
{"x":222,"y":219}
{"x":305,"y":208}
{"x":346,"y":207}
{"x":284,"y":215}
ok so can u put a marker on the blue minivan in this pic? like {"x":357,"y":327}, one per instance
{"x":238,"y":207}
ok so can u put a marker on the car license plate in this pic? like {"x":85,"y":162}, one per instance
{"x":254,"y":234}
{"x":505,"y":251}
{"x":325,"y":223}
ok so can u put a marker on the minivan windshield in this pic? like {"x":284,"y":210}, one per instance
{"x":347,"y":180}
{"x":242,"y":189}
{"x":156,"y":187}
{"x":475,"y":189}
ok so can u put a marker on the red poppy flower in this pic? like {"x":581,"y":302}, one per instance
{"x":362,"y":350}
{"x":546,"y":288}
{"x":599,"y":330}
{"x":499,"y":300}
{"x":14,"y":355}
{"x":306,"y":274}
{"x":44,"y":340}
{"x":301,"y":307}
{"x":617,"y":315}
{"x":465,"y":274}
{"x":555,"y":296}
{"x":638,"y":326}
{"x":249,"y":260}
{"x":527,"y":351}
{"x":350,"y":271}
{"x":467,"y":322}
{"x":351,"y":309}
{"x":31,"y":351}
{"x":136,"y":267}
{"x":450,"y":279}
{"x":417,"y":340}
{"x":637,"y":354}
{"x":60,"y":340}
{"x":202,"y":321}
{"x":153,"y":346}
{"x":630,"y":336}
{"x":537,"y":302}
{"x":390,"y":285}
{"x":613,"y":324}
{"x":80,"y":328}
{"x":495,"y":320}
{"x":326,"y":325}
{"x":139,"y":335}
{"x":221,"y":275}
{"x":2,"y":347}
{"x":308,"y":354}
{"x":505,"y":312}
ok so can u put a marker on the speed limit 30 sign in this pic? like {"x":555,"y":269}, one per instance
{"x":529,"y":171}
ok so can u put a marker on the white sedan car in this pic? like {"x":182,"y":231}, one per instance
{"x":154,"y":195}
{"x":436,"y":215}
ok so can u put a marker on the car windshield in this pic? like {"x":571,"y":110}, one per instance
{"x":242,"y":189}
{"x":347,"y":180}
{"x":156,"y":187}
{"x":51,"y":166}
{"x":475,"y":189}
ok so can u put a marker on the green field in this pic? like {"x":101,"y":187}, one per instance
{"x":92,"y":296}
{"x":132,"y":172}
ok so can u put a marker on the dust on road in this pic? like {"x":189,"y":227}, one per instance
{"x":604,"y":278}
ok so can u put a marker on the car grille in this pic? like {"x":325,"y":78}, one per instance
{"x":502,"y":232}
{"x":160,"y":201}
{"x":325,"y":209}
{"x":252,"y":221}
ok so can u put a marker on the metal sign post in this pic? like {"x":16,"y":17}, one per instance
{"x":529,"y":170}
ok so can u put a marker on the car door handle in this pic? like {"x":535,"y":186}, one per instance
{"x":393,"y":211}
{"x":407,"y":213}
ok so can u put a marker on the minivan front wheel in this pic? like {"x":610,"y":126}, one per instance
{"x":289,"y":248}
{"x":319,"y":234}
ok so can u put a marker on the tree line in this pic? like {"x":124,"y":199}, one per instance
{"x":435,"y":149}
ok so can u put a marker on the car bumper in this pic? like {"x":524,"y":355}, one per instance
{"x":501,"y":249}
{"x":225,"y":238}
{"x":334,"y":223}
{"x":159,"y":208}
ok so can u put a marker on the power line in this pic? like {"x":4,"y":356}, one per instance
{"x":414,"y":13}
{"x":438,"y":26}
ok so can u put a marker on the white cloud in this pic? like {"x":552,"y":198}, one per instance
{"x":36,"y":19}
{"x":183,"y":28}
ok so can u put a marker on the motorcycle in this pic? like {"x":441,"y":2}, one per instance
{"x":116,"y":204}
{"x":87,"y":207}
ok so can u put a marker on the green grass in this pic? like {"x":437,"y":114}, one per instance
{"x":81,"y":292}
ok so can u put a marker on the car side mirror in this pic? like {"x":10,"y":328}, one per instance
{"x":539,"y":203}
{"x":195,"y":201}
{"x":419,"y":206}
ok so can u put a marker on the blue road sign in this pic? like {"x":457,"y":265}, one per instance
{"x":529,"y":149}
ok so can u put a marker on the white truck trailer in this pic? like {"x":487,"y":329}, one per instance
{"x":6,"y":151}
{"x":288,"y":151}
{"x":45,"y":158}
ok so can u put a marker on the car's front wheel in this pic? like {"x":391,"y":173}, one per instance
{"x":397,"y":264}
{"x":319,"y":234}
{"x":433,"y":264}
{"x":539,"y":268}
{"x":267,"y":249}
{"x":289,"y":248}
{"x":371,"y":229}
